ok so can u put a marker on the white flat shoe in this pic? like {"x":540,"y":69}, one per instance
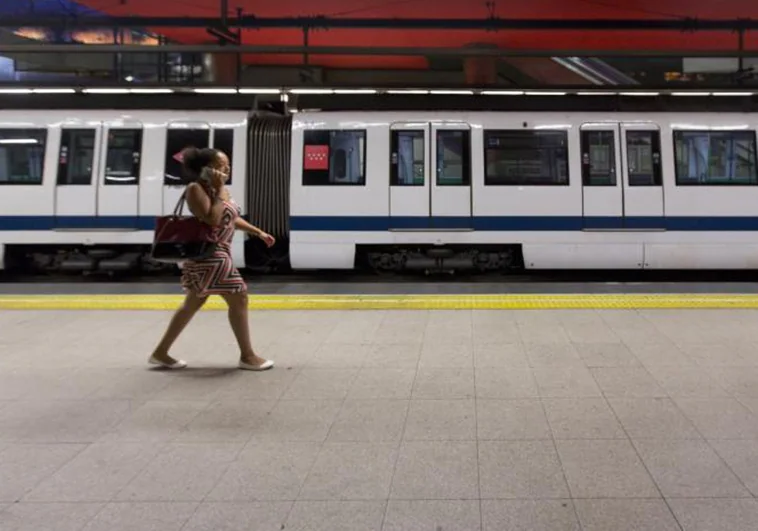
{"x":178,"y":364}
{"x":262,"y":367}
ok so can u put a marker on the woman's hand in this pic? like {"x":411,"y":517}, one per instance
{"x":218,"y":179}
{"x":223,"y":193}
{"x":267,"y":239}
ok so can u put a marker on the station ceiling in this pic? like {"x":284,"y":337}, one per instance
{"x":449,"y":9}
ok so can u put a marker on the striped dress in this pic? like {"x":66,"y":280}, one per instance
{"x":216,"y":275}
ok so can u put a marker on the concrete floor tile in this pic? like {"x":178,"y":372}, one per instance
{"x":606,"y":355}
{"x":687,"y":382}
{"x":422,"y":515}
{"x":388,"y":383}
{"x":688,"y":469}
{"x":511,"y":419}
{"x":520,"y":469}
{"x":528,"y":515}
{"x":258,"y":516}
{"x":97,"y":474}
{"x":351,"y":471}
{"x":24,"y":466}
{"x":441,"y":354}
{"x":600,"y":468}
{"x":269,"y":385}
{"x":226,"y":421}
{"x":582,"y":418}
{"x":505,"y":384}
{"x":321,"y":384}
{"x":500,"y":355}
{"x":625,"y":515}
{"x":61,"y":421}
{"x":547,"y":356}
{"x":266,"y":472}
{"x":298,"y":421}
{"x":155,"y":421}
{"x":720,"y":418}
{"x":394,"y":356}
{"x":441,"y":420}
{"x":436,"y":470}
{"x":434,"y":384}
{"x":716,"y":514}
{"x":48,"y":516}
{"x":164,"y":516}
{"x":339,"y":356}
{"x":566,"y":382}
{"x":653,"y":418}
{"x":374,"y":421}
{"x":181,"y":472}
{"x":627,"y":382}
{"x":336,"y":516}
{"x":742,"y":457}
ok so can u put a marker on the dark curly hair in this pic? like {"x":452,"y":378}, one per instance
{"x":194,"y":160}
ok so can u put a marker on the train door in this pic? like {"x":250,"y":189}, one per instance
{"x":76,"y":180}
{"x":642,"y":176}
{"x":602,"y":188}
{"x":180,"y":135}
{"x":119,"y":175}
{"x":451,"y":194}
{"x":409,"y":176}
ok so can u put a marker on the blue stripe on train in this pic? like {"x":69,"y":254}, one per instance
{"x":385,"y":223}
{"x":17,"y":223}
{"x":521,"y":223}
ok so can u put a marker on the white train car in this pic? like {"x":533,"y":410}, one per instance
{"x":81,"y":190}
{"x":551,"y":190}
{"x":562,"y":181}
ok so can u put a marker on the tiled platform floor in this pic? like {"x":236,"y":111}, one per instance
{"x":394,"y":421}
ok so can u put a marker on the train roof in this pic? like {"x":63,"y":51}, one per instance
{"x":582,"y":99}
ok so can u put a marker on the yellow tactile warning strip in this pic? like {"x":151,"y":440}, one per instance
{"x":390,"y":302}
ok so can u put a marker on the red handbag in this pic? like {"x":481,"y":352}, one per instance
{"x":180,"y":238}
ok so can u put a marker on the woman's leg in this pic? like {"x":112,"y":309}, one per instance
{"x":237,"y":303}
{"x":192,"y":303}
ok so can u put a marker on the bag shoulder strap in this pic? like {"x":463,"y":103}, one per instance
{"x":179,"y":208}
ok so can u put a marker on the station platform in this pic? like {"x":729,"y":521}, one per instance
{"x":595,"y":419}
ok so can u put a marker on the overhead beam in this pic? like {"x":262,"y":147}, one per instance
{"x":361,"y":50}
{"x":489,"y":23}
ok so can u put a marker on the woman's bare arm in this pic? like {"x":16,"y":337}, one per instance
{"x":241,"y":224}
{"x":206,"y":209}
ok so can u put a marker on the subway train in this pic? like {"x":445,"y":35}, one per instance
{"x":392,"y":189}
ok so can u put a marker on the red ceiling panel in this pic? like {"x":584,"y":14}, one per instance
{"x":603,"y":9}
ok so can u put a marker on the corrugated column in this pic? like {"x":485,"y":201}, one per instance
{"x":480,"y":70}
{"x":269,"y":173}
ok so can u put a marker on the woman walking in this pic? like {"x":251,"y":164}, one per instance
{"x":209,"y":201}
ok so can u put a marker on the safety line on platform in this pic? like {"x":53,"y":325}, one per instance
{"x":391,"y":302}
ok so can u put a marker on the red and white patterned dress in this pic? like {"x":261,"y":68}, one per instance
{"x":216,"y":274}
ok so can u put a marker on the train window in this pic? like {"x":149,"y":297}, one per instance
{"x":598,"y":158}
{"x":122,"y":163}
{"x":76,"y":156}
{"x":526,"y":158}
{"x":334,"y":158}
{"x":223,"y":139}
{"x":22,"y":155}
{"x":715,"y":158}
{"x":407,"y":160}
{"x":643,"y":156}
{"x":453,"y":158}
{"x":176,"y":141}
